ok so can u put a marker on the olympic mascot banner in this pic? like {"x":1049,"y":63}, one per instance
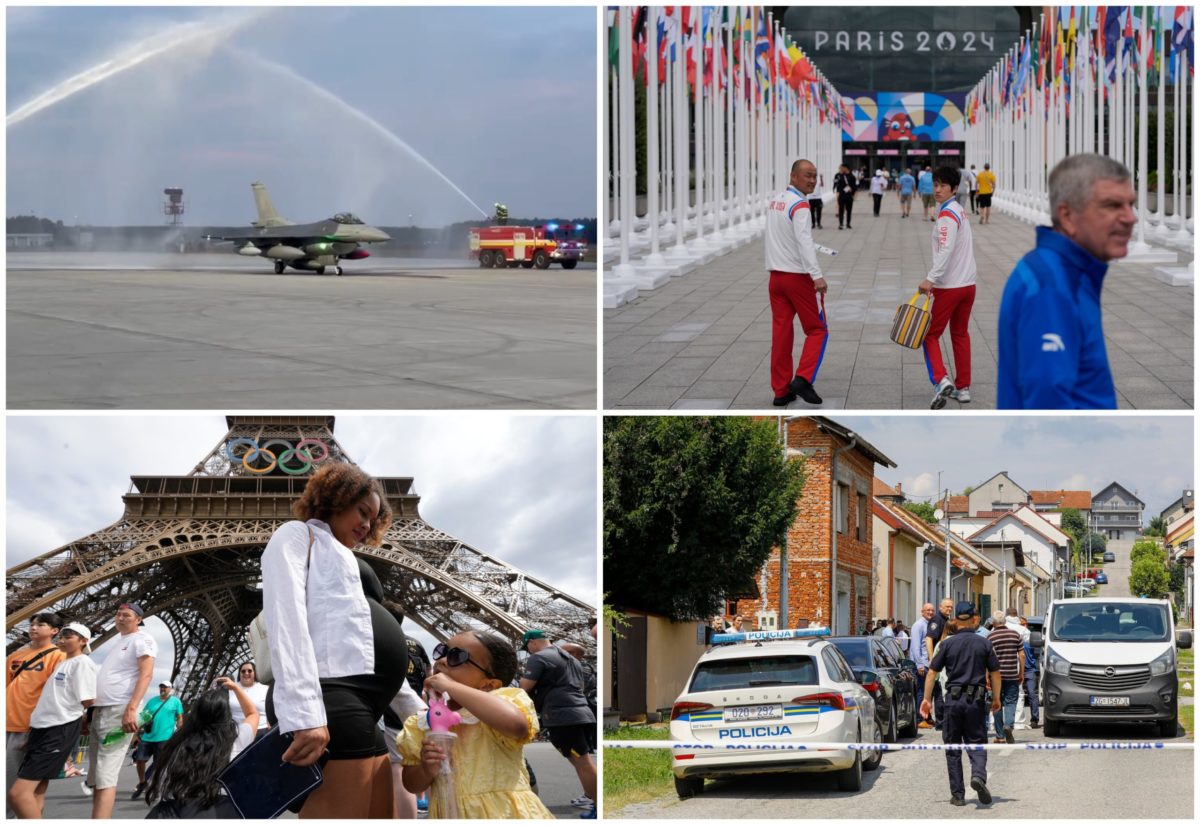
{"x":900,"y":116}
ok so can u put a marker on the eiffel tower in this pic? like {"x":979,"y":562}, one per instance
{"x":188,"y":548}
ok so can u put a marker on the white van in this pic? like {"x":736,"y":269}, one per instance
{"x":1109,"y":660}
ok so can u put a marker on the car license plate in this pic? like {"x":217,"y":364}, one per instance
{"x":753,"y":713}
{"x":1110,"y":701}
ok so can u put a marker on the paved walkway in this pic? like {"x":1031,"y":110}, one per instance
{"x":703,"y":340}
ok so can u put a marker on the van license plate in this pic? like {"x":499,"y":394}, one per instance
{"x":753,"y":713}
{"x":1110,"y":701}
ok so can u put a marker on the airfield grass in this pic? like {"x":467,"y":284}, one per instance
{"x":635,"y":775}
{"x":1187,"y":673}
{"x":1187,"y":718}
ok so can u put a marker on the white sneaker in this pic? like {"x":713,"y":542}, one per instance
{"x":87,"y":789}
{"x":962,"y":396}
{"x":941,"y":392}
{"x":582,"y":802}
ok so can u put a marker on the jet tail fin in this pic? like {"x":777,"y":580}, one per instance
{"x":267,"y":216}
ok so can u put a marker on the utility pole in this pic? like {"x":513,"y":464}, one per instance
{"x":946,"y":527}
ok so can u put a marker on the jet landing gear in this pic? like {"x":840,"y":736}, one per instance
{"x":279,"y":267}
{"x":339,"y":271}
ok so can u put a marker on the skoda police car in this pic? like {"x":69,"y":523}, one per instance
{"x":785,"y":687}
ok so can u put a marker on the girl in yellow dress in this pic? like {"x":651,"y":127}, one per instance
{"x":487,"y":761}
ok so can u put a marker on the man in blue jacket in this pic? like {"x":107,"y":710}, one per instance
{"x":1052,"y":354}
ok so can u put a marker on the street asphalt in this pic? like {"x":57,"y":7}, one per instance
{"x":116,"y":331}
{"x":702,"y":341}
{"x":557,"y":786}
{"x":1030,"y":785}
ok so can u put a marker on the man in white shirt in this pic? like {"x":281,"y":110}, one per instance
{"x":55,"y":723}
{"x":120,"y":686}
{"x":877,"y":185}
{"x":951,"y":281}
{"x":794,"y":286}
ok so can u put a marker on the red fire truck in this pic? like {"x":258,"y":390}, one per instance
{"x":528,"y":246}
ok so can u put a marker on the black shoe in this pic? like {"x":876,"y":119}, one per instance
{"x":957,"y":799}
{"x":839,"y":227}
{"x":784,"y":400}
{"x":139,"y":790}
{"x":848,"y":226}
{"x":985,"y":796}
{"x":1008,"y":736}
{"x":802,"y":388}
{"x":1035,"y":724}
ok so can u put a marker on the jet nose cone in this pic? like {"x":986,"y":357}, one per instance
{"x":372,"y":235}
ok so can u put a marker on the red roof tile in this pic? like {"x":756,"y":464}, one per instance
{"x":1077,"y":499}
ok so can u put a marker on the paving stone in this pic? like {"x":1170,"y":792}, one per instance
{"x":721,"y":312}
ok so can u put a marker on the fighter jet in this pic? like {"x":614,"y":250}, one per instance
{"x":311,"y":246}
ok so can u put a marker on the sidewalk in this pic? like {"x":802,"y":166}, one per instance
{"x":703,"y":340}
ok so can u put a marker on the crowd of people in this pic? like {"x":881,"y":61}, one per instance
{"x":1051,"y":340}
{"x":1007,"y":634}
{"x":356,"y":703}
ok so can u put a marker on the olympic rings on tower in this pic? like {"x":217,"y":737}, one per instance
{"x":308,"y":451}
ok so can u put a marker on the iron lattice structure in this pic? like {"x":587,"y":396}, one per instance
{"x":188,"y":548}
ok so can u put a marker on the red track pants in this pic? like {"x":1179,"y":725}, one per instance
{"x":953,"y":307}
{"x":792,"y":294}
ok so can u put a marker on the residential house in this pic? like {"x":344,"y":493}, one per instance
{"x":897,"y":547}
{"x":999,"y":492}
{"x":824,"y":573}
{"x":1117,"y":513}
{"x":925,"y":563}
{"x":1180,"y":544}
{"x":893,"y":495}
{"x":1178,"y":508}
{"x":1045,"y":501}
{"x":1027,"y":549}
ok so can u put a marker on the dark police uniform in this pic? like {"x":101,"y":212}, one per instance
{"x":967,"y":659}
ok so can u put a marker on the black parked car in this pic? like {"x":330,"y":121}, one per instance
{"x":892,"y":646}
{"x":895,"y":705}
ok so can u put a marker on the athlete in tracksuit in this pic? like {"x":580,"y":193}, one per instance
{"x":951,"y":281}
{"x":794,"y":285}
{"x":1052,"y":354}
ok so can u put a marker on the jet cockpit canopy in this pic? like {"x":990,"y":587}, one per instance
{"x":348,"y":218}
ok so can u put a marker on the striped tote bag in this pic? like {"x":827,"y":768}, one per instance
{"x":911,"y":324}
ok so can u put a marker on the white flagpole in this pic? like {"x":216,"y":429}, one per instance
{"x":652,"y":132}
{"x":1143,"y":149}
{"x":628,"y":168}
{"x":1182,"y":235}
{"x":1160,"y":200}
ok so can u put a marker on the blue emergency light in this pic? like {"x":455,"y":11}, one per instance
{"x":770,"y":635}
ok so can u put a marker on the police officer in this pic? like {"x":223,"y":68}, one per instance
{"x":969,"y":662}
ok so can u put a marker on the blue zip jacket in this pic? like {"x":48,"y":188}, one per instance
{"x":1052,"y":354}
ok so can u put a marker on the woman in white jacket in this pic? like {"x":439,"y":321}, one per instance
{"x":338,"y":656}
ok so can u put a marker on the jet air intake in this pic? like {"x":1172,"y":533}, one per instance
{"x":285,"y":253}
{"x":249,"y":249}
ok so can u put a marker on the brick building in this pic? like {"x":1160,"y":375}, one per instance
{"x":829,"y":556}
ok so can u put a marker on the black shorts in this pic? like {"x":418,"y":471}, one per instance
{"x":48,"y":750}
{"x":984,"y":201}
{"x":350,"y":715}
{"x":573,"y":740}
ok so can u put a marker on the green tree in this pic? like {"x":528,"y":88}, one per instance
{"x":1143,"y":548}
{"x":1149,"y":579}
{"x":921,"y":509}
{"x":692,"y":508}
{"x":1157,"y":528}
{"x":1093,"y":543}
{"x":1073,"y":524}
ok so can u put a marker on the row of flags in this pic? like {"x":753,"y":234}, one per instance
{"x":1114,"y":40}
{"x":767,"y":63}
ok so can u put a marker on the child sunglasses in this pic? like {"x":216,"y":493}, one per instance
{"x":456,"y":656}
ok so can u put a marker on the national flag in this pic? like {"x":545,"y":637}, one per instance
{"x":1181,"y":32}
{"x":762,"y":55}
{"x":1112,"y":37}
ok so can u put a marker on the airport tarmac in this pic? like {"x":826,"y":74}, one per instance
{"x":160,"y":331}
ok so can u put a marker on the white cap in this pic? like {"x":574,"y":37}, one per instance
{"x":165,"y":684}
{"x":76,"y":627}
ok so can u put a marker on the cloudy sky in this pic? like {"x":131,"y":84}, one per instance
{"x":1151,"y":456}
{"x":521,"y":488}
{"x":500,"y":100}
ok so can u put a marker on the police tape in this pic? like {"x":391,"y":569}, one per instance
{"x":915,"y":746}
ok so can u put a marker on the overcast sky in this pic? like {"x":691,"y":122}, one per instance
{"x":501,"y":100}
{"x":1151,"y":456}
{"x":520,"y":488}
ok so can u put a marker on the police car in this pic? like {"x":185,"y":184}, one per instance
{"x":772,"y":687}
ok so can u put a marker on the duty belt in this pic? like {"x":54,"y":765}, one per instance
{"x":972,"y":693}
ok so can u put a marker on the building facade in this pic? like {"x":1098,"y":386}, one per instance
{"x":1117,"y":513}
{"x":824,"y":575}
